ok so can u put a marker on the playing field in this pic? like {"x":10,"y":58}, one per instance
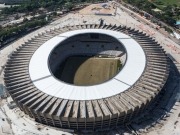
{"x":89,"y":70}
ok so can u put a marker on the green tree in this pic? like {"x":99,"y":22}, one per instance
{"x":69,"y":5}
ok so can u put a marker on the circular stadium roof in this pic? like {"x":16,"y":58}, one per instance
{"x":47,"y":83}
{"x":104,"y":106}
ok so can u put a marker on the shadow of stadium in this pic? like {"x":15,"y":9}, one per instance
{"x":69,"y":75}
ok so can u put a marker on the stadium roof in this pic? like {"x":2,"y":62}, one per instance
{"x":43,"y":79}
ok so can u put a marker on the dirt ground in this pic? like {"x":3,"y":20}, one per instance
{"x":109,"y":9}
{"x":89,"y":70}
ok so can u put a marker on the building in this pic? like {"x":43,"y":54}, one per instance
{"x":31,"y":80}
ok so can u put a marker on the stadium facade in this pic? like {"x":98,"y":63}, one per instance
{"x":30,"y":81}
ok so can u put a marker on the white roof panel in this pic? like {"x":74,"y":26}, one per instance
{"x":38,"y":64}
{"x":135,"y":62}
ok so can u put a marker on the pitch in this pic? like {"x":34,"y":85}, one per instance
{"x":85,"y":71}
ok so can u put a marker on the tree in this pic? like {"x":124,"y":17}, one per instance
{"x":69,"y":5}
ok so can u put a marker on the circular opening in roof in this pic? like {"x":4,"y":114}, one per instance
{"x":87,"y":59}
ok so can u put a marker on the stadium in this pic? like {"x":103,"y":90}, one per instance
{"x":86,"y":77}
